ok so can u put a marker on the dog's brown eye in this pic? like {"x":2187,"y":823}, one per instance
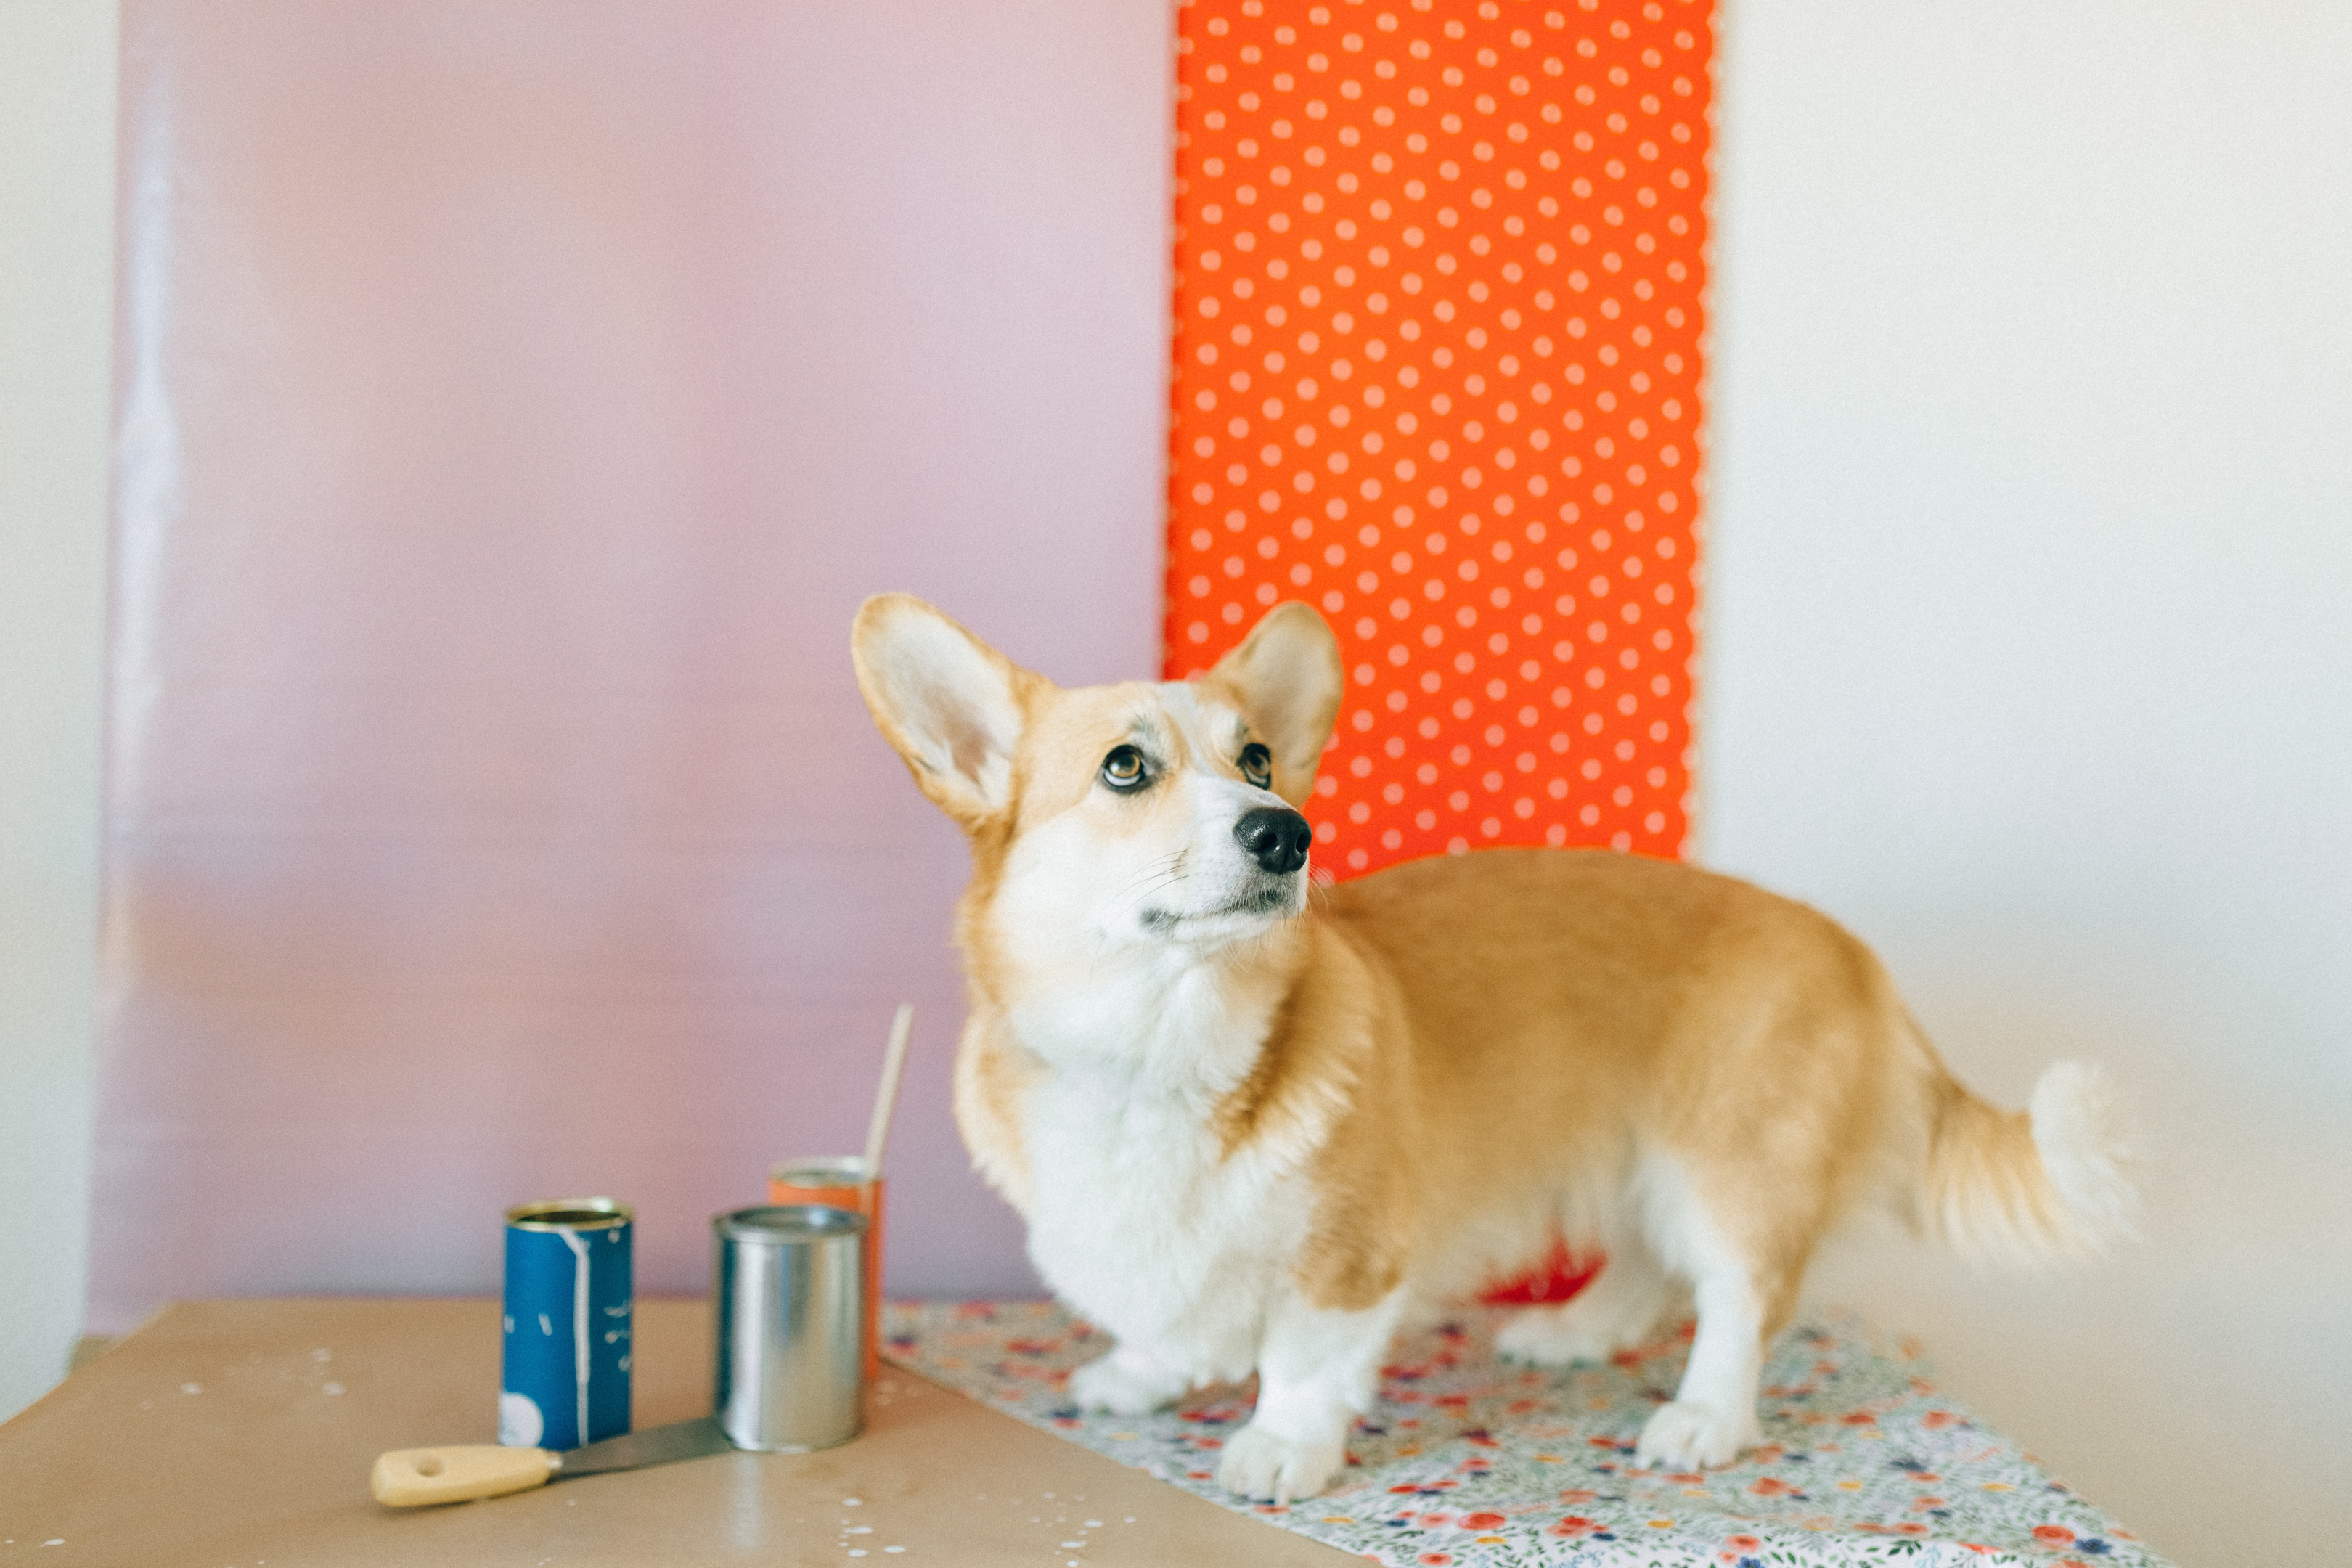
{"x":1257,"y":765}
{"x":1123,"y":769}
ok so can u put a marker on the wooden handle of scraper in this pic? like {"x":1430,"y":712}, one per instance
{"x":408,"y":1477}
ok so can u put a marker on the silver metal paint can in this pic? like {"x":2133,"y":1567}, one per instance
{"x":788,"y":1295}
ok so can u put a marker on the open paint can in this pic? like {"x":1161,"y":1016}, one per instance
{"x":843,"y":1182}
{"x":788,"y":1297}
{"x":570,"y":1297}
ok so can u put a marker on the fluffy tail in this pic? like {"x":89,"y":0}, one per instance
{"x":2021,"y":1186}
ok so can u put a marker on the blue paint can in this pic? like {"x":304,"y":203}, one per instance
{"x":569,"y":1301}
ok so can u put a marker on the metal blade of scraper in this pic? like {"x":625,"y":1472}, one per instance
{"x":408,"y":1477}
{"x":635,"y":1450}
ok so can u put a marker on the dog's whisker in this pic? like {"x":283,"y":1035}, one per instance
{"x":1170,"y":868}
{"x":1160,"y":882}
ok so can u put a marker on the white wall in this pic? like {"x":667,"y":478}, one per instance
{"x":2029,"y":656}
{"x":57,"y":215}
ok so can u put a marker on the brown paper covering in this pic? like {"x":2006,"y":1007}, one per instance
{"x":221,"y":1433}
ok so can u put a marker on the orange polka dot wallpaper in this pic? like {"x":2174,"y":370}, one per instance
{"x":1437,"y":333}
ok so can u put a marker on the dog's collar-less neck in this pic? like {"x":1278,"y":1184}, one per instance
{"x":1190,"y":1022}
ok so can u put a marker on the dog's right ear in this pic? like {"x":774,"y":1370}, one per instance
{"x":1289,"y":676}
{"x":951,"y":705}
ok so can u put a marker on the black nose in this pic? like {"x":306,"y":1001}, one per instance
{"x":1275,"y":836}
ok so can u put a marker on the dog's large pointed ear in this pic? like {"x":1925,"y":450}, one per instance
{"x":1287,"y":675}
{"x":953,"y":706}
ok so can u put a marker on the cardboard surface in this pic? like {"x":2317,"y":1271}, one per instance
{"x":242,"y":1432}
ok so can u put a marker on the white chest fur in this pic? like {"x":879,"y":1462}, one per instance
{"x":1141,"y":1223}
{"x":1139,"y":1217}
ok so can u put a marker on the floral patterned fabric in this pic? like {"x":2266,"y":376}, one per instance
{"x":1474,"y":1461}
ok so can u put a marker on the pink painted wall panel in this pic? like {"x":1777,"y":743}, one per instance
{"x":515,"y":402}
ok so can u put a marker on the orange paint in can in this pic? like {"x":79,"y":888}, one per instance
{"x":843,"y":1182}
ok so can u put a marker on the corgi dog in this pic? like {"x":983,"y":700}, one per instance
{"x":1252,"y":1122}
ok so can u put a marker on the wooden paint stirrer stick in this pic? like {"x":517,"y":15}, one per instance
{"x":886,"y":1099}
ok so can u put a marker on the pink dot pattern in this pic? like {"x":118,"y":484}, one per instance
{"x":1437,"y":355}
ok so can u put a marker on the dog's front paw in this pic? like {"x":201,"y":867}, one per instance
{"x":1118,"y":1385}
{"x":1688,"y":1436}
{"x":1262,"y":1465}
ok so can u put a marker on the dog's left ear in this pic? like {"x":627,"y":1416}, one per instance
{"x":1287,"y":677}
{"x":952,"y":706}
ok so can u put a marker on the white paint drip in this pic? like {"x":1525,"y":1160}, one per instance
{"x":579,"y":1325}
{"x":148,"y":471}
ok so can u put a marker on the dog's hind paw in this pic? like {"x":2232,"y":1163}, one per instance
{"x":1266,"y":1466}
{"x":1119,"y":1386}
{"x":1541,"y":1337}
{"x":1688,"y":1436}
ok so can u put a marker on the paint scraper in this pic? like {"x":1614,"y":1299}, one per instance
{"x":406,"y":1478}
